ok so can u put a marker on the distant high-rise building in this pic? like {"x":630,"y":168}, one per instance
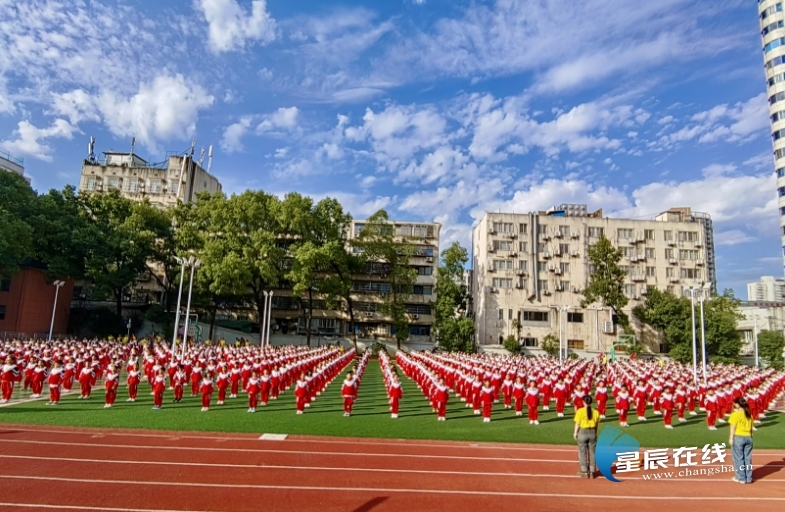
{"x":768,"y":288}
{"x":772,"y":24}
{"x":178,"y":178}
{"x":9,"y":163}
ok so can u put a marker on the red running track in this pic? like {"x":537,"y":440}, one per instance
{"x":58,"y":468}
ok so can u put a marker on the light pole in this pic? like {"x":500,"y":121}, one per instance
{"x":755,"y":339}
{"x":57,"y":284}
{"x":193,"y":263}
{"x":269,"y":316}
{"x":183,"y":262}
{"x":694,"y":339}
{"x":706,"y":287}
{"x":264,"y":319}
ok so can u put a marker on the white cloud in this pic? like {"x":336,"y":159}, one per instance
{"x":231,"y":26}
{"x":665,"y":120}
{"x":76,"y":105}
{"x":734,"y":237}
{"x":231,"y":140}
{"x":740,"y":122}
{"x":165,"y":109}
{"x":283,"y":118}
{"x":29,"y":139}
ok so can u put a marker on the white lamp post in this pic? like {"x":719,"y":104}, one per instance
{"x":263,"y":329}
{"x":694,"y":339}
{"x":183,"y":262}
{"x":755,"y":339}
{"x":57,"y":284}
{"x":706,"y":287}
{"x":193,"y":263}
{"x":269,"y":317}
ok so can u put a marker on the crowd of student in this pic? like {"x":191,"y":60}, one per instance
{"x":480,"y":381}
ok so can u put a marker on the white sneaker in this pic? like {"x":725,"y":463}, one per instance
{"x":669,"y":427}
{"x":531,"y":422}
{"x":693,"y":413}
{"x":682,"y":420}
{"x":536,"y":422}
{"x":486,"y":420}
{"x":602,"y":416}
{"x":393,"y":416}
{"x":546,"y":408}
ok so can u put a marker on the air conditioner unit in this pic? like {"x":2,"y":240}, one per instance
{"x":491,"y":248}
{"x":429,"y":259}
{"x":491,"y":269}
{"x":558,"y":234}
{"x":575,"y":235}
{"x":645,"y":291}
{"x":545,"y":255}
{"x":575,"y":290}
{"x":545,"y":236}
{"x":636,"y":297}
{"x":575,"y":254}
{"x":673,"y":261}
{"x":546,"y":292}
{"x":415,"y":317}
{"x":559,"y":288}
{"x":674,"y":279}
{"x":494,"y":290}
{"x":552,"y":268}
{"x":700,"y":262}
{"x":519,"y":286}
{"x":672,"y":243}
{"x":521,"y":272}
{"x":698,"y":243}
{"x":513,"y":254}
{"x":556,"y":254}
{"x":608,"y":327}
{"x":512,"y":235}
{"x":557,"y":271}
{"x":491,"y":231}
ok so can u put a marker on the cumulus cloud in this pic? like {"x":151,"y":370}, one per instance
{"x":734,"y":237}
{"x":30,"y":140}
{"x":231,"y":141}
{"x":231,"y":26}
{"x":283,"y":118}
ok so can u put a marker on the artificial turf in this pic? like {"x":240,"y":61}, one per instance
{"x":371,"y":418}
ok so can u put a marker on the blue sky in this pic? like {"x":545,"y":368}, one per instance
{"x":433,"y":109}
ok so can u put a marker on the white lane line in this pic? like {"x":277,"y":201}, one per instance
{"x":389,"y":490}
{"x":292,"y":452}
{"x":362,"y":470}
{"x":39,"y":506}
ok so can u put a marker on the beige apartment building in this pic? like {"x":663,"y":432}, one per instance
{"x":370,"y":288}
{"x":533,"y":267}
{"x":178,"y":178}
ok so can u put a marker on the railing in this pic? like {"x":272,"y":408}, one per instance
{"x":7,"y":156}
{"x":7,"y":335}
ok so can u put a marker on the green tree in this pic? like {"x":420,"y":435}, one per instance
{"x":124,"y":236}
{"x":17,"y":205}
{"x":606,"y":282}
{"x":512,"y":345}
{"x":454,"y":329}
{"x":770,"y":348}
{"x":378,"y":244}
{"x":550,"y":345}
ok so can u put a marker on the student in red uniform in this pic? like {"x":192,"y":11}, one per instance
{"x":519,"y":392}
{"x":253,"y":388}
{"x":507,"y":392}
{"x":300,"y":393}
{"x":666,"y":406}
{"x":577,"y":397}
{"x":86,"y":377}
{"x":347,"y":392}
{"x":680,"y":398}
{"x":179,"y":380}
{"x":640,"y":395}
{"x":159,"y":386}
{"x":395,"y":393}
{"x":39,"y":377}
{"x":206,"y":388}
{"x":441,"y":395}
{"x":196,"y":379}
{"x":234,"y":380}
{"x":601,"y":397}
{"x":546,"y":389}
{"x":475,"y":394}
{"x":623,"y":405}
{"x":560,"y":394}
{"x":110,"y":384}
{"x":533,"y":402}
{"x":711,"y":409}
{"x":55,"y":381}
{"x":222,"y":383}
{"x":9,"y":375}
{"x":486,"y":398}
{"x":265,"y":385}
{"x":133,"y":381}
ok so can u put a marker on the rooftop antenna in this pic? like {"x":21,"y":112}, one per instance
{"x":133,"y":145}
{"x":209,"y":158}
{"x":91,"y":151}
{"x":191,"y":151}
{"x":201,"y":157}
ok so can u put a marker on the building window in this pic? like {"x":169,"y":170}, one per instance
{"x":422,"y":290}
{"x":688,"y":236}
{"x":564,"y":248}
{"x":648,"y":234}
{"x":669,"y":289}
{"x":2,"y":312}
{"x":529,"y":342}
{"x":523,"y":229}
{"x":501,"y":314}
{"x":542,"y":266}
{"x":782,"y":210}
{"x":503,"y":264}
{"x":564,"y":230}
{"x":565,"y":268}
{"x":155,"y":186}
{"x":5,"y":283}
{"x":667,"y":235}
{"x":503,"y":227}
{"x":132,"y":184}
{"x":413,"y":309}
{"x":628,"y":252}
{"x":575,"y":318}
{"x":774,"y":44}
{"x":420,"y":330}
{"x":523,"y":265}
{"x":686,"y":254}
{"x":543,"y":285}
{"x":91,"y":183}
{"x":564,"y":285}
{"x":668,"y":254}
{"x":629,"y":290}
{"x":575,"y":344}
{"x":651,"y":272}
{"x":509,"y":314}
{"x":113,"y":182}
{"x":542,"y":247}
{"x":523,"y":247}
{"x":425,"y":271}
{"x":669,"y":272}
{"x":596,"y":232}
{"x":502,"y":283}
{"x":650,"y":253}
{"x":624,"y":234}
{"x":502,"y":245}
{"x":535,"y":316}
{"x":690,"y":273}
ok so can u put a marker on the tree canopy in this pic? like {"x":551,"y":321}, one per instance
{"x":606,"y":281}
{"x":454,"y":329}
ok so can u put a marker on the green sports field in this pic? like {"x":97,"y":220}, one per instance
{"x":371,"y":418}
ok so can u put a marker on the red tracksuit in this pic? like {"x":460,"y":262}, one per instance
{"x":206,"y":388}
{"x":111,"y":388}
{"x":532,"y":402}
{"x":518,"y":392}
{"x":55,"y":380}
{"x":486,"y":398}
{"x":347,"y":392}
{"x":395,"y":394}
{"x":253,"y":389}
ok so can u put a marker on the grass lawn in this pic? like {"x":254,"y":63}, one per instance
{"x":371,"y":418}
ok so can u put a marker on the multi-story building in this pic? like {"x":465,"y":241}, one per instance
{"x":768,"y":288}
{"x":529,"y":271}
{"x":178,"y":178}
{"x":772,"y":25}
{"x":759,"y":315}
{"x":370,"y":287}
{"x":9,"y":163}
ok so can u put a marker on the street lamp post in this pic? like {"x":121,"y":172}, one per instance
{"x":706,"y":287}
{"x":264,"y":319}
{"x":193,"y":263}
{"x":57,"y":284}
{"x":694,"y":339}
{"x":183,"y":262}
{"x":269,"y":317}
{"x":755,"y":339}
